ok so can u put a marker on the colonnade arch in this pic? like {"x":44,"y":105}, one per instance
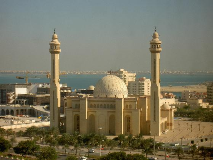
{"x":3,"y":112}
{"x":16,"y":112}
{"x":7,"y":112}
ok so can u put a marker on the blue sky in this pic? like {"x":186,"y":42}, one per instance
{"x":106,"y":34}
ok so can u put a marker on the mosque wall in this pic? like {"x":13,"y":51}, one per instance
{"x":119,"y":116}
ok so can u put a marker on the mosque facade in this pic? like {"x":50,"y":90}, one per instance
{"x":110,"y":111}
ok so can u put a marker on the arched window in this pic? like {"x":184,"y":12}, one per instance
{"x":128,"y":124}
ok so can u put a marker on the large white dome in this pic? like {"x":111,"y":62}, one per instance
{"x":110,"y":86}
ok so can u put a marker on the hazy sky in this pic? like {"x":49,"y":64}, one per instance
{"x":106,"y":34}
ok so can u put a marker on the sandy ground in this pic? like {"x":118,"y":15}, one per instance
{"x":197,"y":88}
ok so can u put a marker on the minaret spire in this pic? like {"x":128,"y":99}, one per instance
{"x":155,"y":115}
{"x":55,"y":101}
{"x":155,"y":29}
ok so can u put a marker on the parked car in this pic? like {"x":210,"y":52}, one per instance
{"x":83,"y":158}
{"x":91,"y":150}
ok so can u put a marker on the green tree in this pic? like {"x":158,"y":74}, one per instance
{"x":111,"y":143}
{"x":13,"y":140}
{"x":71,"y":157}
{"x":31,"y":132}
{"x":193,"y":150}
{"x":2,"y":131}
{"x":4,"y":144}
{"x":124,"y":145}
{"x":65,"y":140}
{"x":114,"y":156}
{"x":205,"y":151}
{"x":122,"y":156}
{"x":135,"y":157}
{"x":9,"y":132}
{"x":26,"y":148}
{"x":20,"y":133}
{"x":179,"y":152}
{"x":47,"y":153}
{"x":147,"y":146}
{"x":121,"y":138}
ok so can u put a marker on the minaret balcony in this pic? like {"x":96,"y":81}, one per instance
{"x":155,"y":50}
{"x":55,"y":51}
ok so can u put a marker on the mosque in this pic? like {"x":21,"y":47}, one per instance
{"x":110,"y":111}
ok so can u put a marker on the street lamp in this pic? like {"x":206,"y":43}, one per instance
{"x":165,"y":148}
{"x":99,"y":129}
{"x":154,"y":144}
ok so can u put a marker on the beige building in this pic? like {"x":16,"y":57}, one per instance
{"x":124,"y":75}
{"x":141,"y":87}
{"x":110,"y":111}
{"x":210,"y":93}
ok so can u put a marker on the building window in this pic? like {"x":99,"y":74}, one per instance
{"x":128,"y":124}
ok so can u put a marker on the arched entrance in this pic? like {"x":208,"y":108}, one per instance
{"x":3,"y":112}
{"x":17,"y":112}
{"x":77,"y":123}
{"x":7,"y":112}
{"x":12,"y":112}
{"x":112,"y":125}
{"x":91,"y":124}
{"x":127,"y":125}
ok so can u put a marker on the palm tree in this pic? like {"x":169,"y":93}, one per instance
{"x":9,"y":132}
{"x":179,"y":151}
{"x":193,"y":150}
{"x":147,"y":146}
{"x":2,"y":131}
{"x":13,"y":140}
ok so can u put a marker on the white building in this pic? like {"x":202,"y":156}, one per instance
{"x":124,"y":75}
{"x":140,"y":87}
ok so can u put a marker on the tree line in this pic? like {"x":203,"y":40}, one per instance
{"x":43,"y":142}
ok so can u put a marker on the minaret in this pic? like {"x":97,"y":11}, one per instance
{"x":54,"y":82}
{"x":155,"y":49}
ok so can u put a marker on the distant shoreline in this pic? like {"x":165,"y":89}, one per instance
{"x":197,"y":88}
{"x":191,"y":73}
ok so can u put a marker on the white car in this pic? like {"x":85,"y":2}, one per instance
{"x":83,"y":158}
{"x":91,"y":150}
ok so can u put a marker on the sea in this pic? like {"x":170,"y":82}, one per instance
{"x":83,"y":81}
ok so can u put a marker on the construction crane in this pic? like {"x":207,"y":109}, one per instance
{"x":26,"y":77}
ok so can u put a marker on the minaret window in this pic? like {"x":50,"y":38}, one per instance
{"x":53,"y":69}
{"x":154,"y":70}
